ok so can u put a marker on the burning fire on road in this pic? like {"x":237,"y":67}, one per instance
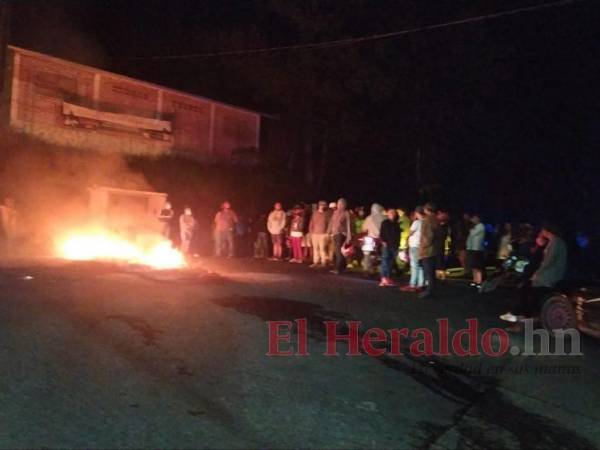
{"x":102,"y":245}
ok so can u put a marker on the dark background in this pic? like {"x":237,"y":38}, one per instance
{"x":500,"y":115}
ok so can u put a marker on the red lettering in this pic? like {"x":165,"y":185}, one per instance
{"x":351,"y":338}
{"x":275,"y":338}
{"x":302,"y":337}
{"x":372,"y":336}
{"x":503,"y":340}
{"x":457,"y":340}
{"x":443,"y":337}
{"x":395,"y":335}
{"x":424,"y":346}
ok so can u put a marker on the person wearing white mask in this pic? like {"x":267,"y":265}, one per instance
{"x":187,"y":225}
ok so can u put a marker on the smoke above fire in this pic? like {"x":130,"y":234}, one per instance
{"x":51,"y":187}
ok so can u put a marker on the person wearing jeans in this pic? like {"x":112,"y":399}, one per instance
{"x":416,"y":271}
{"x":417,"y":279}
{"x":428,"y":251}
{"x":339,"y":228}
{"x":390,"y":239}
{"x":224,"y":223}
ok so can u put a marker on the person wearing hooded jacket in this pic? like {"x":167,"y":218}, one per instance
{"x":390,"y":239}
{"x":371,"y":226}
{"x":339,"y":228}
{"x":187,"y":225}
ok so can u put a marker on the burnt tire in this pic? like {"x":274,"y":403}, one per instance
{"x":558,"y":313}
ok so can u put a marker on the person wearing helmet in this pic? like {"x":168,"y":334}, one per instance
{"x":340,"y":229}
{"x":390,"y":239}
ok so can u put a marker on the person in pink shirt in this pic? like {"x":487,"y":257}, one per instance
{"x":224,"y":223}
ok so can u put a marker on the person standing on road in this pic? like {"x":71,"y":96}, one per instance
{"x":428,"y":251}
{"x":317,"y":228}
{"x":504,"y":244}
{"x":475,"y":250}
{"x":414,"y":239}
{"x":330,"y":245}
{"x":372,"y":226}
{"x":440,"y":239}
{"x":340,"y":229}
{"x":390,"y":240}
{"x":460,"y":231}
{"x":261,"y":242}
{"x":187,"y":225}
{"x":276,"y":225}
{"x":296,"y":233}
{"x":165,"y":218}
{"x":225,"y":222}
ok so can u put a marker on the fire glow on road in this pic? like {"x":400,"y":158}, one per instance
{"x":154,"y":250}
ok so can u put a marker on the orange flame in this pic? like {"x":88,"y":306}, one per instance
{"x":157,"y":252}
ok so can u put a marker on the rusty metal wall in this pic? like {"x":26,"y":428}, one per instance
{"x":200,"y":128}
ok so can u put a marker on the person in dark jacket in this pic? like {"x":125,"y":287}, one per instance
{"x":339,"y":228}
{"x":460,"y":231}
{"x":389,"y":235}
{"x":296,"y":233}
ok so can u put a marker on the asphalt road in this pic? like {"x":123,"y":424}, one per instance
{"x":104,"y":356}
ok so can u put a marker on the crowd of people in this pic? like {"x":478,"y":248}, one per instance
{"x":423,"y":242}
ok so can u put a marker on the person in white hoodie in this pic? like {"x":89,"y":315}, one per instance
{"x":276,"y":225}
{"x":371,"y":226}
{"x":187,"y":225}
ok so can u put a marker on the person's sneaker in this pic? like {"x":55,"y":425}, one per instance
{"x":312,"y":266}
{"x":386,"y":282}
{"x":334,"y":272}
{"x":473,"y":284}
{"x":408,"y":288}
{"x":508,"y":317}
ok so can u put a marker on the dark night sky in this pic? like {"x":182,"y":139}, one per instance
{"x":504,"y":112}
